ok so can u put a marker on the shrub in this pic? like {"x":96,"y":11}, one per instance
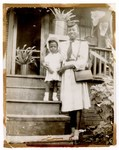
{"x":102,"y":96}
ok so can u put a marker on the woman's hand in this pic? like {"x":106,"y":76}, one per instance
{"x":62,"y":70}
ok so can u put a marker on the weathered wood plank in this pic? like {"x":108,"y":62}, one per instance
{"x":14,"y":45}
{"x":105,"y":55}
{"x":95,"y":66}
{"x":36,"y":124}
{"x":44,"y":35}
{"x":31,"y":81}
{"x":32,"y":107}
{"x":43,"y":138}
{"x":10,"y":41}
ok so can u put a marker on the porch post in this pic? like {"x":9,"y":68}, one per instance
{"x":44,"y":36}
{"x":14,"y":44}
{"x":11,"y":45}
{"x":10,"y":41}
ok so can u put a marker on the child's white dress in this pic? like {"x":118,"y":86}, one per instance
{"x":54,"y":61}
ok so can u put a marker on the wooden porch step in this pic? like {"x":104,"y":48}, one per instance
{"x":30,"y":125}
{"x":25,"y":80}
{"x":25,"y":92}
{"x":32,"y":107}
{"x":40,"y":141}
{"x":28,"y":87}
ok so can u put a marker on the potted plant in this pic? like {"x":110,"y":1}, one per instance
{"x":61,"y":19}
{"x":24,"y":57}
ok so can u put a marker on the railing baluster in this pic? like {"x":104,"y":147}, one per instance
{"x":102,"y":66}
{"x":105,"y":63}
{"x":95,"y":64}
{"x":100,"y":63}
{"x":109,"y":68}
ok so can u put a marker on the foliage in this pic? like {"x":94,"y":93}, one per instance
{"x":24,"y":55}
{"x":102,"y":96}
{"x":62,"y":16}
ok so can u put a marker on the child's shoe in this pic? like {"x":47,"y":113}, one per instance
{"x":55,"y":96}
{"x":46,"y":96}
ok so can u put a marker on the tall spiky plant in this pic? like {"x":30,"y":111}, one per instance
{"x":61,"y":15}
{"x":24,"y":55}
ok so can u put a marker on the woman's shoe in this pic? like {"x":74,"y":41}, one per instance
{"x":71,"y":136}
{"x":75,"y":137}
{"x":72,"y":133}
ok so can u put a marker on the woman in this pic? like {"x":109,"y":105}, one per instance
{"x":74,"y":96}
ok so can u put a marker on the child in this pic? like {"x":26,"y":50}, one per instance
{"x":52,"y":63}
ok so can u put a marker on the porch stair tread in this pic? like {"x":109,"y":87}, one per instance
{"x":38,"y":139}
{"x":39,"y":117}
{"x":26,"y":87}
{"x":26,"y":76}
{"x":33,"y":101}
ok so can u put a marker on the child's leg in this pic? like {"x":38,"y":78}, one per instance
{"x":47,"y":89}
{"x":55,"y":88}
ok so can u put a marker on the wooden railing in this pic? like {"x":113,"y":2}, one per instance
{"x":99,"y":58}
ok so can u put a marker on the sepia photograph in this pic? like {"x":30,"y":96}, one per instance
{"x":59,"y":75}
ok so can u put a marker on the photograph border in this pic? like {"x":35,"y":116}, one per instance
{"x":5,"y":9}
